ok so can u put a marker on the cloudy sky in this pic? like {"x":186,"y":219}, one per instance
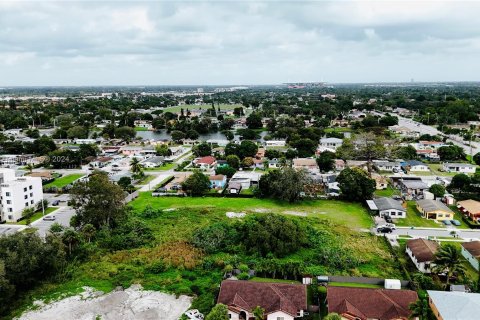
{"x":237,"y":42}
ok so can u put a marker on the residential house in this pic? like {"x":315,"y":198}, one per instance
{"x":273,"y":163}
{"x":205,"y":163}
{"x":309,"y":164}
{"x":422,"y":253}
{"x":152,"y":162}
{"x":246,"y":179}
{"x":428,"y":154}
{"x":330,"y":144}
{"x":404,"y":132}
{"x":101,"y":162}
{"x":260,"y":153}
{"x":339,"y":164}
{"x":381,"y":182}
{"x":143,"y":124}
{"x":218,"y":181}
{"x":434,"y":210}
{"x":459,"y":167}
{"x":471,"y":252}
{"x":391,"y":166}
{"x":234,"y":187}
{"x":413,"y":188}
{"x":471,"y":208}
{"x":131,"y":150}
{"x":275,"y":143}
{"x":8,"y":160}
{"x":366,"y":303}
{"x":415,"y":166}
{"x":17,"y":194}
{"x":387,"y":207}
{"x":281,"y":301}
{"x":357,"y":164}
{"x":85,"y":141}
{"x":44,"y":175}
{"x":432,"y":145}
{"x":448,"y":305}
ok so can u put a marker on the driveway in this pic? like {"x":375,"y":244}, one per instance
{"x":8,"y":229}
{"x":466,"y":234}
{"x":159,"y":178}
{"x":63,"y":216}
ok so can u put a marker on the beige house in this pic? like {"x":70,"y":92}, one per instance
{"x":434,"y":210}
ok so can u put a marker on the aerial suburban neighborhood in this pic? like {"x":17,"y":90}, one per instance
{"x":239,"y":160}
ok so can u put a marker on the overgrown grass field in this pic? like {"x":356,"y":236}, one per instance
{"x":64,"y":181}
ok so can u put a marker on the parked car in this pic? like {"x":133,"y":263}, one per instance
{"x":455,"y":222}
{"x":49,"y":218}
{"x":194,"y":314}
{"x":384,"y":230}
{"x":55,"y":202}
{"x":447,"y":222}
{"x":388,"y":219}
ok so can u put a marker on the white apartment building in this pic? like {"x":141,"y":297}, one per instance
{"x":16,"y":194}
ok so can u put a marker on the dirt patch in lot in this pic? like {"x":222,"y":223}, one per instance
{"x":296,"y":213}
{"x":132,"y":303}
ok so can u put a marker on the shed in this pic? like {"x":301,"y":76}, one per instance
{"x":393,"y":284}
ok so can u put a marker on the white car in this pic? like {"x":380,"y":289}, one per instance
{"x":194,"y":314}
{"x":388,"y":225}
{"x":49,"y":218}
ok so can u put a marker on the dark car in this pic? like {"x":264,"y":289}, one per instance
{"x":388,"y":219}
{"x":455,"y":222}
{"x":55,"y":202}
{"x":384,"y":230}
{"x":446,"y":222}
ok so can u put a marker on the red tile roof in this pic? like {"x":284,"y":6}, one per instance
{"x":207,"y":160}
{"x":246,"y":295}
{"x":366,"y":303}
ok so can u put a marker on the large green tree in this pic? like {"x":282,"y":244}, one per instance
{"x":355,"y":184}
{"x":218,"y":312}
{"x":196,"y":184}
{"x":326,"y":161}
{"x":97,"y":201}
{"x":284,"y":184}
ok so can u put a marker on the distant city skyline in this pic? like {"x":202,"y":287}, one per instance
{"x":95,"y":43}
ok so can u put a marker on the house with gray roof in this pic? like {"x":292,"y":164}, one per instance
{"x":452,"y":305}
{"x":387,"y":207}
{"x":413,"y":188}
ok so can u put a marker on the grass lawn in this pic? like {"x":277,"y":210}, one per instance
{"x":164,"y":167}
{"x":458,"y":216}
{"x":145,"y":180}
{"x":344,"y":213}
{"x":270,"y":280}
{"x":203,"y":107}
{"x":64,"y":181}
{"x":415,"y":219}
{"x":140,"y":129}
{"x":354,"y":285}
{"x":387,"y":192}
{"x":435,"y":169}
{"x":37,"y":215}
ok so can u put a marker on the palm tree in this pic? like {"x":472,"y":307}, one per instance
{"x":448,"y":260}
{"x":258,"y":313}
{"x":70,"y":237}
{"x":88,"y":231}
{"x":419,"y":309}
{"x":136,"y":167}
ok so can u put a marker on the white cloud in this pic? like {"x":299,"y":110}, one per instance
{"x":237,"y":42}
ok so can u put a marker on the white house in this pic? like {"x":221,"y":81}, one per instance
{"x":152,"y":162}
{"x":16,"y":194}
{"x":330,"y":143}
{"x":85,"y":141}
{"x":281,"y":301}
{"x":422,"y":253}
{"x":471,"y":252}
{"x":459,"y":167}
{"x":387,"y":207}
{"x":387,"y":165}
{"x":415,"y":165}
{"x":275,"y":143}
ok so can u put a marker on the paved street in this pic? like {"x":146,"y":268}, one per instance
{"x":63,"y":216}
{"x":465,"y":234}
{"x":8,"y":229}
{"x":160,"y":177}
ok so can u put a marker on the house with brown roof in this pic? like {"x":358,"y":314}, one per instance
{"x":305,"y":163}
{"x":205,"y":163}
{"x":471,"y":252}
{"x":471,"y":208}
{"x":365,"y":303}
{"x":280,"y":300}
{"x":422,"y":253}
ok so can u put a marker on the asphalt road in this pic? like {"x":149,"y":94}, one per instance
{"x":465,"y":234}
{"x":62,"y":215}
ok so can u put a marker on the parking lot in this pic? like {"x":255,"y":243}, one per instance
{"x":7,"y":229}
{"x":62,"y":216}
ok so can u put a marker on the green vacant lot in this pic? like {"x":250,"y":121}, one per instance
{"x":64,"y":181}
{"x":345,"y":213}
{"x":415,"y":219}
